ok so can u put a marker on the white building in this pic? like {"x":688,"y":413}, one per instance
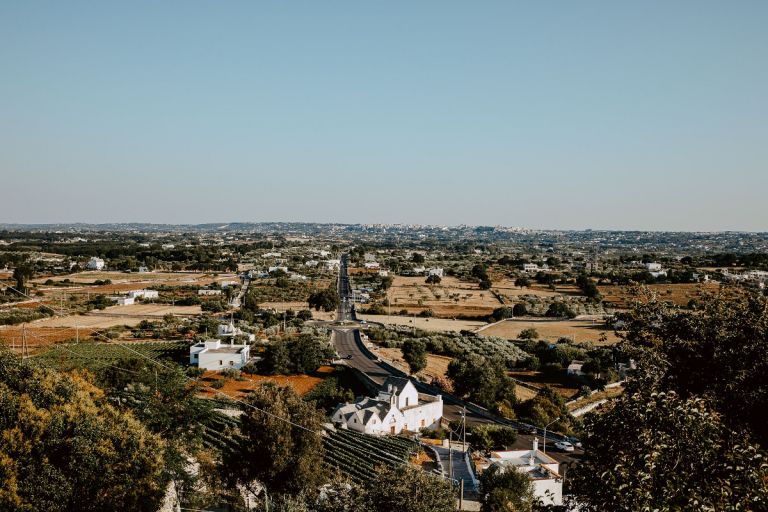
{"x":653,"y":267}
{"x":311,"y":263}
{"x":371,"y":265}
{"x":398,"y":407}
{"x":575,"y":368}
{"x":275,"y":269}
{"x":167,"y":247}
{"x":542,"y":470}
{"x":145,"y":294}
{"x":332,"y":264}
{"x":530,"y":267}
{"x":207,"y":291}
{"x":271,"y":255}
{"x":123,"y":301}
{"x":213,"y":355}
{"x":435,"y":271}
{"x":95,"y":264}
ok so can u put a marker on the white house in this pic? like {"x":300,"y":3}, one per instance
{"x":123,"y":301}
{"x":435,"y":271}
{"x":95,"y":264}
{"x":276,"y":268}
{"x":207,"y":291}
{"x":213,"y":355}
{"x":575,"y":368}
{"x":530,"y":267}
{"x":542,"y":470}
{"x":311,"y":263}
{"x":398,"y":407}
{"x":167,"y":247}
{"x":371,"y":265}
{"x":146,"y":294}
{"x":271,"y":255}
{"x":332,"y":264}
{"x":653,"y":267}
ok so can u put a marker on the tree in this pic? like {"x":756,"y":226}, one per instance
{"x":519,"y":309}
{"x":502,"y":313}
{"x":505,"y":490}
{"x":417,"y":257}
{"x":559,"y":310}
{"x":409,"y":489}
{"x":522,"y":282}
{"x":658,"y":451}
{"x":481,"y":380}
{"x":489,"y":437}
{"x":64,"y":448}
{"x":717,"y":352}
{"x":273,"y":450}
{"x":529,"y":333}
{"x":23,"y":273}
{"x":433,"y":279}
{"x":415,"y":354}
{"x":327,"y":300}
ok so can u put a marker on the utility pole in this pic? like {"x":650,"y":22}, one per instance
{"x":77,"y":334}
{"x":461,"y":494}
{"x":450,"y":454}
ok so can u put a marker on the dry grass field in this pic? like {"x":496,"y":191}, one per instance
{"x":552,"y":330}
{"x":560,"y":383}
{"x":449,"y":299}
{"x":425,"y":324}
{"x":621,"y":297}
{"x":302,"y":384}
{"x":39,"y":337}
{"x":116,"y":315}
{"x":298,"y":306}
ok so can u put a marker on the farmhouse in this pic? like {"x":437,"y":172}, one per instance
{"x":212,"y":355}
{"x":575,"y":368}
{"x":95,"y":264}
{"x":435,"y":271}
{"x":398,"y":407}
{"x":123,"y":301}
{"x":145,"y":294}
{"x":541,"y":469}
{"x":371,"y":265}
{"x":208,"y":291}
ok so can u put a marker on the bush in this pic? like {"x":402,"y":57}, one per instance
{"x":529,"y":334}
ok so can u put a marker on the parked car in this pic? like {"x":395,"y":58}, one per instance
{"x":574,"y":441}
{"x":530,"y":429}
{"x":564,"y":446}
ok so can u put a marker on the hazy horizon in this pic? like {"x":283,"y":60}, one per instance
{"x":590,"y":115}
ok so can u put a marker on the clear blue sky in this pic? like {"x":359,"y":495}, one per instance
{"x":650,"y":115}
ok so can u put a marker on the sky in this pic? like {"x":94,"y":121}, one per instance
{"x":552,"y":114}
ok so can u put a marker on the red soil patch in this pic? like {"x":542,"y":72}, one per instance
{"x":302,"y":384}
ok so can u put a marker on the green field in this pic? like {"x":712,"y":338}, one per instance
{"x":94,"y":356}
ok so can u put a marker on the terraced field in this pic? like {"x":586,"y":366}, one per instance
{"x":95,"y":356}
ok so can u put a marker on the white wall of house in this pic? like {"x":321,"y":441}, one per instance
{"x":213,"y":355}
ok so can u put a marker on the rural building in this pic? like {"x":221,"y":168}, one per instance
{"x":95,"y":264}
{"x":575,"y":368}
{"x":276,"y":268}
{"x":311,"y":263}
{"x":653,"y":267}
{"x":208,"y":291}
{"x":332,"y":264}
{"x":167,"y":247}
{"x":271,"y":255}
{"x":542,"y":470}
{"x":398,"y":407}
{"x":227,"y":284}
{"x":145,"y":294}
{"x":123,"y":301}
{"x":213,"y":355}
{"x":435,"y":271}
{"x":371,"y":265}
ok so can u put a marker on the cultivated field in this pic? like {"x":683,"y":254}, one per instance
{"x":449,"y":299}
{"x":552,"y":330}
{"x":298,"y":306}
{"x":426,"y":324}
{"x":143,"y":278}
{"x":621,"y":297}
{"x":234,"y":388}
{"x":117,"y":315}
{"x":39,"y":337}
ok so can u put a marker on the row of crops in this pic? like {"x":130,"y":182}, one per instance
{"x":95,"y":356}
{"x":358,"y":455}
{"x":219,"y":432}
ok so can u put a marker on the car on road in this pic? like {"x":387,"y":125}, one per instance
{"x":530,"y":429}
{"x":349,"y":356}
{"x":564,"y":446}
{"x":574,"y":441}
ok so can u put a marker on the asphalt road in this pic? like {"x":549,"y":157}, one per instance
{"x":346,"y":340}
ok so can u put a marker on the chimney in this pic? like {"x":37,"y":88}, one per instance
{"x":535,"y":444}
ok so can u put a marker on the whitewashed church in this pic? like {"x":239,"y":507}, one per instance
{"x":398,"y":407}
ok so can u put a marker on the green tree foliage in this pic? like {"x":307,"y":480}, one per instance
{"x":522,"y":282}
{"x":502,"y":313}
{"x":301,"y":355}
{"x":409,"y":489}
{"x":546,"y":406}
{"x":559,"y":310}
{"x":718,"y":352}
{"x":64,"y":448}
{"x":482,"y":381}
{"x":659,"y":451}
{"x":588,"y":286}
{"x":417,"y":258}
{"x":327,"y":300}
{"x":519,"y":309}
{"x":21,"y":274}
{"x":529,"y":333}
{"x":505,"y":490}
{"x":433,"y":279}
{"x":492,"y":437}
{"x":285,"y":458}
{"x":415,"y":354}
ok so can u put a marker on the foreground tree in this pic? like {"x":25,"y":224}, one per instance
{"x":274,"y":451}
{"x":505,"y":490}
{"x":658,"y":451}
{"x":327,"y":300}
{"x":63,"y":448}
{"x":409,"y":489}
